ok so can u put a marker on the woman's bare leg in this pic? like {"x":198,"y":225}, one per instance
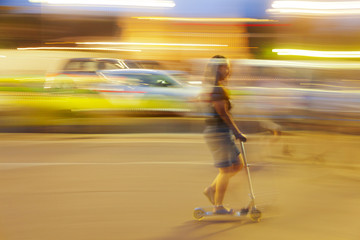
{"x":235,"y":170}
{"x":222,"y":178}
{"x":222,"y":182}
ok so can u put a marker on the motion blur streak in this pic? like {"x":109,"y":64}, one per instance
{"x":78,"y":48}
{"x":239,"y":24}
{"x":103,"y":105}
{"x":323,"y":54}
{"x":152,"y":44}
{"x":310,"y":7}
{"x":132,"y":3}
{"x":313,"y":12}
{"x":206,"y":19}
{"x":304,"y":64}
{"x":316,"y":5}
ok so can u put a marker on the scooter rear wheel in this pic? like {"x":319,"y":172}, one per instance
{"x":199,"y":214}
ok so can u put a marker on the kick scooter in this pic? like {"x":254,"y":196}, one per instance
{"x":250,"y":210}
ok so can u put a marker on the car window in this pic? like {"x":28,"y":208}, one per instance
{"x":124,"y":80}
{"x":161,"y":80}
{"x":132,"y":64}
{"x":87,"y":66}
{"x":151,"y":80}
{"x":72,"y":66}
{"x":110,"y":66}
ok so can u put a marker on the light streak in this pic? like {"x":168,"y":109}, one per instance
{"x":152,"y":44}
{"x":124,"y":3}
{"x":316,"y":5}
{"x":79,"y":48}
{"x":301,"y":64}
{"x":183,"y":19}
{"x":312,"y":7}
{"x":322,"y":54}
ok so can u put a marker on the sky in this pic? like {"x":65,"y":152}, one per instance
{"x":183,"y":8}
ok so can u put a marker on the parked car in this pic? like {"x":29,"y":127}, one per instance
{"x":122,"y":87}
{"x":79,"y":71}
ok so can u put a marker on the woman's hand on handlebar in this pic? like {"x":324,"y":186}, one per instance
{"x":240,"y":136}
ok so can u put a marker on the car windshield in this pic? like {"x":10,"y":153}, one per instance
{"x":92,"y":65}
{"x":143,"y":79}
{"x":132,"y":64}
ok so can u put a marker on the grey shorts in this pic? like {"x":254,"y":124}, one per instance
{"x":222,"y":146}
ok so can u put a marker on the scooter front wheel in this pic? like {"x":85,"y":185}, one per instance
{"x":255,"y":215}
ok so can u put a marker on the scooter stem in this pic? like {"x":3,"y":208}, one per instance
{"x":252,"y":196}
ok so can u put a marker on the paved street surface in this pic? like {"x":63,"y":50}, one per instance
{"x":104,"y":187}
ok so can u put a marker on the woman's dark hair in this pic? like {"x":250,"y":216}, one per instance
{"x":212,"y":75}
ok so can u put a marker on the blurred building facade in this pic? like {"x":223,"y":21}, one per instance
{"x":27,"y":24}
{"x":30,"y":23}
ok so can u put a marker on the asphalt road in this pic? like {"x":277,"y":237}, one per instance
{"x":102,"y":187}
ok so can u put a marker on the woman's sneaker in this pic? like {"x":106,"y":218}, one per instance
{"x":221,"y":210}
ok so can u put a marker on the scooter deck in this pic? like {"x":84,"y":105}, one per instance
{"x":201,"y":213}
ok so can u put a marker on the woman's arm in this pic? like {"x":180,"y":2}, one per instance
{"x":221,"y":108}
